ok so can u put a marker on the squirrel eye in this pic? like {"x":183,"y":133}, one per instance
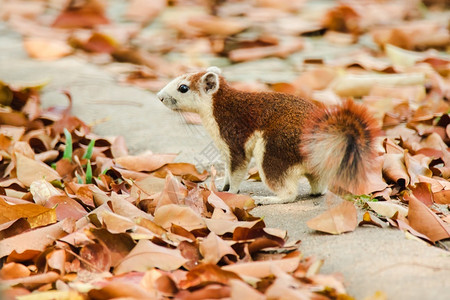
{"x":183,"y":88}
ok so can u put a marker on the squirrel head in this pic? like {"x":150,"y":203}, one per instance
{"x":191,"y":92}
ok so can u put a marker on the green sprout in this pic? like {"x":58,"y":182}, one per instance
{"x":68,"y":149}
{"x":89,"y":172}
{"x":89,"y":150}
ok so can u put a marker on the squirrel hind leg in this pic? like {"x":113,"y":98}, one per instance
{"x":286,"y":188}
{"x":318,"y":185}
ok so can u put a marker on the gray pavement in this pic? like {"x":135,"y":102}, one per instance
{"x":370,"y":259}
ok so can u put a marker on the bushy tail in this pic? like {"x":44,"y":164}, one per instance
{"x":339,"y":144}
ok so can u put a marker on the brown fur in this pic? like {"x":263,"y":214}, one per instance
{"x":290,"y":126}
{"x":280,"y":117}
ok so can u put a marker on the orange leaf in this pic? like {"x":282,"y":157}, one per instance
{"x":147,"y":255}
{"x":337,"y":220}
{"x":422,"y":219}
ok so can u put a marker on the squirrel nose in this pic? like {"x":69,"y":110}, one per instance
{"x":160,"y":96}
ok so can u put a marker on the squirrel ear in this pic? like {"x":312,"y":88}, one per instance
{"x":210,"y":82}
{"x":214,"y":69}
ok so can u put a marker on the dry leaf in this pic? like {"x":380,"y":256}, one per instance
{"x":425,"y":221}
{"x":30,"y":170}
{"x":46,"y":49}
{"x":337,"y":220}
{"x":146,"y":161}
{"x":146,"y":255}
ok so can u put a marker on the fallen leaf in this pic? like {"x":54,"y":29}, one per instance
{"x":14,"y":270}
{"x":46,"y":49}
{"x":36,"y":239}
{"x":146,"y":255}
{"x":337,"y":220}
{"x":213,"y":248}
{"x":146,"y":161}
{"x":388,"y":209}
{"x":425,"y":221}
{"x":352,"y":85}
{"x":394,"y":169}
{"x":30,"y":170}
{"x":36,"y":215}
{"x":261,"y":269}
{"x":367,"y":220}
{"x":185,"y":217}
{"x":207,"y":273}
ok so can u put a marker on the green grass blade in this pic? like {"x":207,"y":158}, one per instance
{"x":68,"y":149}
{"x":89,"y":172}
{"x":89,"y":150}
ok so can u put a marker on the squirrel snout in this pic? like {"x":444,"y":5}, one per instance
{"x":160,"y":96}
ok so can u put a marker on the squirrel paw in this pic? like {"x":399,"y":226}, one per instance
{"x":267,"y":200}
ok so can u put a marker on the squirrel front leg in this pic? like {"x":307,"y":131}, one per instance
{"x":236,"y":170}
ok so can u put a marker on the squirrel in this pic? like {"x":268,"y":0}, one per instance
{"x":288,"y":136}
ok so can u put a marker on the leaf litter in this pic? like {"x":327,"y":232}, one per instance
{"x":118,"y":236}
{"x":72,"y":222}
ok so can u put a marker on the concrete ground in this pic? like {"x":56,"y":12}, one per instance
{"x":370,"y":259}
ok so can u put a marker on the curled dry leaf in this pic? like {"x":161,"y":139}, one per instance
{"x":367,"y":220}
{"x":185,"y":170}
{"x":30,"y":170}
{"x":146,"y":161}
{"x":35,"y":215}
{"x":182,"y":216}
{"x":42,"y":190}
{"x":394,"y":169}
{"x":37,"y":239}
{"x":339,"y":219}
{"x":261,"y":269}
{"x":213,"y":248}
{"x":46,"y":49}
{"x":352,"y":85}
{"x":146,"y":255}
{"x":422,"y":219}
{"x":388,"y":209}
{"x":14,"y":270}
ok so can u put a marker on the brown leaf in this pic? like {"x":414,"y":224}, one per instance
{"x":96,"y":257}
{"x":29,"y":170}
{"x":337,"y":220}
{"x":207,"y":273}
{"x":185,"y":170}
{"x":46,"y":49}
{"x":417,"y":165}
{"x":83,"y":13}
{"x":413,"y":35}
{"x":147,"y":255}
{"x":394,"y":169}
{"x":144,"y":11}
{"x":237,"y":200}
{"x":117,"y":289}
{"x":36,"y":239}
{"x":388,"y":209}
{"x":212,"y":25}
{"x":425,"y":221}
{"x":282,"y":50}
{"x":261,"y":269}
{"x":367,"y":220}
{"x":422,"y":192}
{"x":146,"y":161}
{"x":36,"y":215}
{"x":241,"y":290}
{"x":213,"y":248}
{"x":13,"y":270}
{"x":220,"y":226}
{"x":182,"y":216}
{"x":66,"y":207}
{"x":34,"y":281}
{"x":442,"y":197}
